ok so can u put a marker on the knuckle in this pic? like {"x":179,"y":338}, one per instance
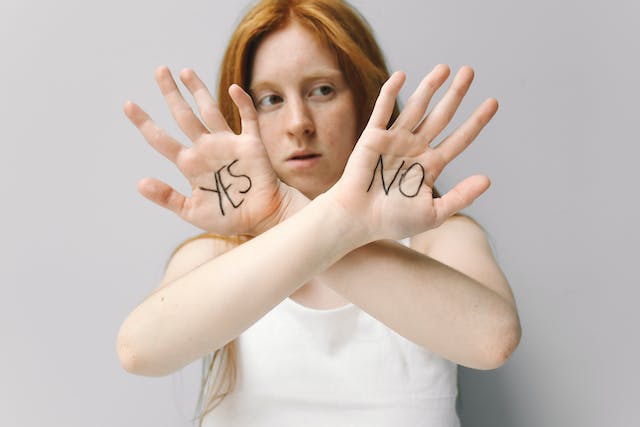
{"x":157,"y":134}
{"x":458,"y":91}
{"x":438,"y":115}
{"x":208,"y":110}
{"x":188,"y":160}
{"x":431,"y":85}
{"x":479,"y":120}
{"x":386,"y":91}
{"x":182,"y":109}
{"x":183,"y":113}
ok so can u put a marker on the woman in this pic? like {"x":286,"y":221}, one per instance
{"x":312,"y":181}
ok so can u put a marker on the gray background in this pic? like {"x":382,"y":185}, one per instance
{"x":80,"y":247}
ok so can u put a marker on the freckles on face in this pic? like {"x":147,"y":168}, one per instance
{"x":306,"y":111}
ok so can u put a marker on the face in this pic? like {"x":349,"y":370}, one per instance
{"x":305,"y":109}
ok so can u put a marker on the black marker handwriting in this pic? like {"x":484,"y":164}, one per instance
{"x":403,"y":191}
{"x":221,"y":188}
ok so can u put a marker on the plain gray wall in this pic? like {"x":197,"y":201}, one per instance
{"x":81,"y":248}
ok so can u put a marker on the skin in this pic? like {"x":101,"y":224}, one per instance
{"x":446,"y":294}
{"x":310,"y":111}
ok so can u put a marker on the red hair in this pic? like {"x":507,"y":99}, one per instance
{"x":334,"y":22}
{"x":361,"y":61}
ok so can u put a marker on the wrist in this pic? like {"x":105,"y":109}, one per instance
{"x":354,"y":230}
{"x":291,"y":202}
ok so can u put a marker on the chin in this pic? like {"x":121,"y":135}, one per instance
{"x":311,"y":194}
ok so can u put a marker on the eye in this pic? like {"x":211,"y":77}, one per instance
{"x":269,"y":101}
{"x":324,"y":90}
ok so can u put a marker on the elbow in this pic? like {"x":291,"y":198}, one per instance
{"x":127,"y":356}
{"x":502,"y":343}
{"x":129,"y":359}
{"x":133,"y":361}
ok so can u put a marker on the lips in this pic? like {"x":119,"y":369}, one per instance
{"x":303,"y":155}
{"x":303,"y":161}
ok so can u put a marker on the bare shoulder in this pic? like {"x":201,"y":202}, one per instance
{"x":196,"y":251}
{"x":461,"y":243}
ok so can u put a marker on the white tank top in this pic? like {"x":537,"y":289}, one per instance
{"x":299,"y":366}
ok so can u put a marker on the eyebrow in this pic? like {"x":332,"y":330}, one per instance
{"x":314,"y":75}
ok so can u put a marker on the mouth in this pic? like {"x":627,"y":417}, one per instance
{"x":303,"y":156}
{"x":303,"y":160}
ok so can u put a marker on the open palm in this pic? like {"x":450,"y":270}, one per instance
{"x":388,"y":181}
{"x":234,"y":187}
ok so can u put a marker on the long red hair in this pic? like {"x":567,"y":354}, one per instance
{"x":360,"y":59}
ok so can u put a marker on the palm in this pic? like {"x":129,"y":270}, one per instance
{"x":234,"y":188}
{"x":390,"y":175}
{"x":393,"y":176}
{"x":233,"y":184}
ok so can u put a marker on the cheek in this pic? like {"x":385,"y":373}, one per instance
{"x":267,"y":134}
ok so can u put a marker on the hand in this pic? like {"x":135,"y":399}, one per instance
{"x":387,"y":183}
{"x":234,"y":187}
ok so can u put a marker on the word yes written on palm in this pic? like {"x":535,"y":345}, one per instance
{"x":222,"y":189}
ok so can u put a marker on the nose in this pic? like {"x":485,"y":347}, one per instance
{"x":299,"y":119}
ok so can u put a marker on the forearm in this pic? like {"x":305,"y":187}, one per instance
{"x":428,"y":302}
{"x":208,"y":307}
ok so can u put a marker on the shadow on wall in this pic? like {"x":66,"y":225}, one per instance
{"x":483,"y":399}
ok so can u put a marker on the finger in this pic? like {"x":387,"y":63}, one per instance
{"x":443,"y":112}
{"x":162,"y":194}
{"x":207,"y":106}
{"x":418,"y":101}
{"x":155,"y":135}
{"x":180,"y":109}
{"x":460,"y":139}
{"x":383,"y":108}
{"x":248,"y":114}
{"x":461,"y":196}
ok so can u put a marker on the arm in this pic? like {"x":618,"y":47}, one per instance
{"x":207,"y":307}
{"x":175,"y":324}
{"x":450,"y":297}
{"x":212,"y":304}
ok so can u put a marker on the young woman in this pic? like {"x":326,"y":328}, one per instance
{"x":333,"y":285}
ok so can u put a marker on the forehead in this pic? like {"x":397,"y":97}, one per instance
{"x":290,"y":51}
